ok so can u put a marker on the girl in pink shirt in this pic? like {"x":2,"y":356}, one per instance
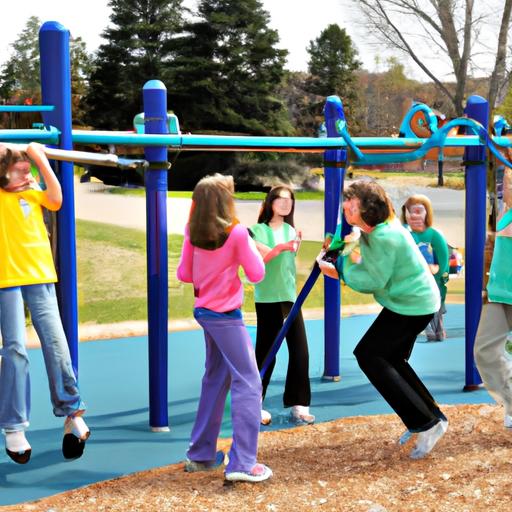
{"x":214,"y":248}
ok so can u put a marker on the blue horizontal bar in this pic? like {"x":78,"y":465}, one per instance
{"x":26,"y":108}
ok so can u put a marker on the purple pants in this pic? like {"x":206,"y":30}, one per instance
{"x":230,"y":365}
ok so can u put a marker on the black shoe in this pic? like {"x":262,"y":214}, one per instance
{"x":76,"y":434}
{"x":19,"y":458}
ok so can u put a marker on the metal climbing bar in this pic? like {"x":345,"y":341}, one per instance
{"x":26,"y":108}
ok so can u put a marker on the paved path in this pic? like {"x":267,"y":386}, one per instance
{"x":130,"y":211}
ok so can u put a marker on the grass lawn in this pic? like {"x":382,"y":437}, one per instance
{"x":112,"y":276}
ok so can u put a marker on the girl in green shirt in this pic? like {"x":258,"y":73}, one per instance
{"x":418,"y":215}
{"x":278,"y":243}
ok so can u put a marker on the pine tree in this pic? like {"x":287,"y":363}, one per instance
{"x":19,"y":79}
{"x":138,"y":48}
{"x":227,"y":70}
{"x":333,"y":64}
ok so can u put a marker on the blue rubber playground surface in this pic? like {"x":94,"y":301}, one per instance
{"x":114,"y":383}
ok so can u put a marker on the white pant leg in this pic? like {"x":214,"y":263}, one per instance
{"x":494,"y":365}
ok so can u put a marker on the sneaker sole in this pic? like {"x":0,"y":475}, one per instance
{"x":245,"y":477}
{"x":72,"y":446}
{"x":19,"y":458}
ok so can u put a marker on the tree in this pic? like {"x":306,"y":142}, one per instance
{"x":81,"y":69}
{"x":139,"y":48}
{"x":446,"y":27}
{"x":227,"y":70}
{"x":333,"y":64}
{"x":19,"y":79}
{"x":386,"y":94}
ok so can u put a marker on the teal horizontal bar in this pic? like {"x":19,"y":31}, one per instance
{"x":247,"y":143}
{"x":50,"y":136}
{"x":26,"y":108}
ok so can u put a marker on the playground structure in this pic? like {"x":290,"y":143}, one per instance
{"x":160,"y":135}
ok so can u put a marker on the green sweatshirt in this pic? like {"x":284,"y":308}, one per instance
{"x":279,"y":282}
{"x":499,"y":287}
{"x":393,"y":270}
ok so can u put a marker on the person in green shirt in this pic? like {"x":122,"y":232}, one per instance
{"x":418,"y":216}
{"x":388,"y":265}
{"x":492,"y":343}
{"x":278,"y":242}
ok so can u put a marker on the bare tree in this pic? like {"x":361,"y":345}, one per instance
{"x":448,"y":27}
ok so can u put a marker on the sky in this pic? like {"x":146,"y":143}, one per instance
{"x":297,"y":21}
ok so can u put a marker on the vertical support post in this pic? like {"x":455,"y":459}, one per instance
{"x":56,"y":90}
{"x":334,"y":172}
{"x":155,"y":121}
{"x":477,"y":108}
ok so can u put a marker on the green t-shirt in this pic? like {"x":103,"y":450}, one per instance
{"x":279,"y":284}
{"x":393,"y":270}
{"x":499,"y":287}
{"x":433,"y":240}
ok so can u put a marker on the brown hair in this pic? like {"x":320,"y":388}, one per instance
{"x":213,"y":211}
{"x":375,"y":206}
{"x":266,"y":212}
{"x":8,"y":157}
{"x":423,"y":200}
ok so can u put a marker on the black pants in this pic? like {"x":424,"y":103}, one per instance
{"x":383,"y":355}
{"x":270,"y":317}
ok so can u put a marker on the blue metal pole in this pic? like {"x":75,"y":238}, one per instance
{"x":477,"y":108}
{"x":334,"y":171}
{"x":56,"y":90}
{"x":155,"y":121}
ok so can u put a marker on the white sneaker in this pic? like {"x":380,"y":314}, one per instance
{"x":301,"y":414}
{"x":428,"y":439}
{"x":258,"y":473}
{"x":507,"y":421}
{"x":266,"y":417}
{"x":17,"y":446}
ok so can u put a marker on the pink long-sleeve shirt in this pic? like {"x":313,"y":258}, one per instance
{"x":214,"y":273}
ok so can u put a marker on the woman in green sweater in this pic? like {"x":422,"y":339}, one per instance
{"x":389,"y":265}
{"x":418,"y":215}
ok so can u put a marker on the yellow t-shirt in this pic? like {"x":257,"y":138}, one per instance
{"x":25,"y":252}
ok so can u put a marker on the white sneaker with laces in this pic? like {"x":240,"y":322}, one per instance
{"x":266,"y":417}
{"x":428,"y":439}
{"x":301,"y":414}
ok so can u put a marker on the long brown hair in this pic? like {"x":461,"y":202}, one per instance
{"x":266,"y":212}
{"x":213,"y":211}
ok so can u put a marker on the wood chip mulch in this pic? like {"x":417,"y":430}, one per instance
{"x":351,"y":464}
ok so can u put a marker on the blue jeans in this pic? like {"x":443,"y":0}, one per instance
{"x":14,"y":368}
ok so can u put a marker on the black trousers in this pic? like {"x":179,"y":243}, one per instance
{"x":270,"y":317}
{"x":383,"y":355}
